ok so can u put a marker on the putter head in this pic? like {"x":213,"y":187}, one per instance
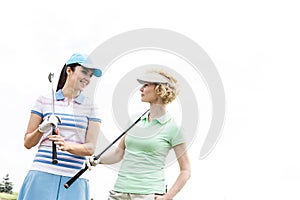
{"x":50,"y":77}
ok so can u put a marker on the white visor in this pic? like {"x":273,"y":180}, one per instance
{"x":154,"y":77}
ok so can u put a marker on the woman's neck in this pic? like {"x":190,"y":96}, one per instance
{"x":157,"y":110}
{"x":70,"y":93}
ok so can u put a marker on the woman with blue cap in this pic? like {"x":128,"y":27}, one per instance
{"x":77,"y":122}
{"x":144,"y":148}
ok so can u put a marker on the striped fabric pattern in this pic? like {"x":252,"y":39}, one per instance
{"x":75,"y":116}
{"x":68,"y":164}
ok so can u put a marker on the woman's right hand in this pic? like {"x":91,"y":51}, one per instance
{"x":46,"y":125}
{"x":90,"y":162}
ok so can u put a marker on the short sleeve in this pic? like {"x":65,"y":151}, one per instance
{"x":176,"y":136}
{"x":38,"y":107}
{"x":95,"y":113}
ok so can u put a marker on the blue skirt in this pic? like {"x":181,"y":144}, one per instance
{"x":41,"y":185}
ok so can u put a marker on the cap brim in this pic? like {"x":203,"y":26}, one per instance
{"x":97,"y":72}
{"x":141,"y":81}
{"x":151,"y":78}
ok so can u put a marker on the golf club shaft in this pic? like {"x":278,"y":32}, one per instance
{"x":54,"y":150}
{"x":74,"y":178}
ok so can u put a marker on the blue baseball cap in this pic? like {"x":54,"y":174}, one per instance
{"x":83,"y":60}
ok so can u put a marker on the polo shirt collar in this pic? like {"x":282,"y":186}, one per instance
{"x":59,"y":96}
{"x":162,"y":120}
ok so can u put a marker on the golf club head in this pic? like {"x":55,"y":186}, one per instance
{"x":50,"y":77}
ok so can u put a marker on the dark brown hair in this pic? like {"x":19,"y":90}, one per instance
{"x":63,"y":75}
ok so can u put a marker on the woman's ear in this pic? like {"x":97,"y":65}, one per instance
{"x":68,"y":70}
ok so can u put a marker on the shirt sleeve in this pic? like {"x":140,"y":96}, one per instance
{"x":176,"y":136}
{"x":38,"y":106}
{"x":95,"y":113}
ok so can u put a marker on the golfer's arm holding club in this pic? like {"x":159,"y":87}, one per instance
{"x":37,"y":127}
{"x":109,"y":157}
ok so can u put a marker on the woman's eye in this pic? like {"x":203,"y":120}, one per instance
{"x":86,"y":72}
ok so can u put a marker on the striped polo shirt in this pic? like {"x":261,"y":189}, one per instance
{"x":75,"y":116}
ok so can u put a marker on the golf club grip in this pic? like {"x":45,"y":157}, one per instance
{"x":54,"y":152}
{"x":74,"y":178}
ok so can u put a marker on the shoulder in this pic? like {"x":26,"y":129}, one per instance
{"x":44,"y":97}
{"x":172,"y":126}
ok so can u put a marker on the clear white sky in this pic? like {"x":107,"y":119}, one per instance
{"x":255,"y":46}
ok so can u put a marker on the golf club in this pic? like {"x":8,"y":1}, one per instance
{"x":54,"y":152}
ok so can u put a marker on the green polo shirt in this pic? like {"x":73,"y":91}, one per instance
{"x":147,"y":146}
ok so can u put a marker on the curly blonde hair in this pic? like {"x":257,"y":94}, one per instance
{"x":168,"y":92}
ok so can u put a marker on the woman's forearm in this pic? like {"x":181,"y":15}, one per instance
{"x":112,"y":157}
{"x":32,"y":139}
{"x":179,"y":184}
{"x":86,"y":149}
{"x":185,"y":171}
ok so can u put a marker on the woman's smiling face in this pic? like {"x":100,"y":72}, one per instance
{"x":80,"y":77}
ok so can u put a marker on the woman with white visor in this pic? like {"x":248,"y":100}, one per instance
{"x":144,"y":149}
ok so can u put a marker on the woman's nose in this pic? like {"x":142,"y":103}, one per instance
{"x":87,"y":77}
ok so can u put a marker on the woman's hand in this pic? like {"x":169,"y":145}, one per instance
{"x":46,"y":125}
{"x":85,"y":149}
{"x":59,"y":141}
{"x":91,"y":162}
